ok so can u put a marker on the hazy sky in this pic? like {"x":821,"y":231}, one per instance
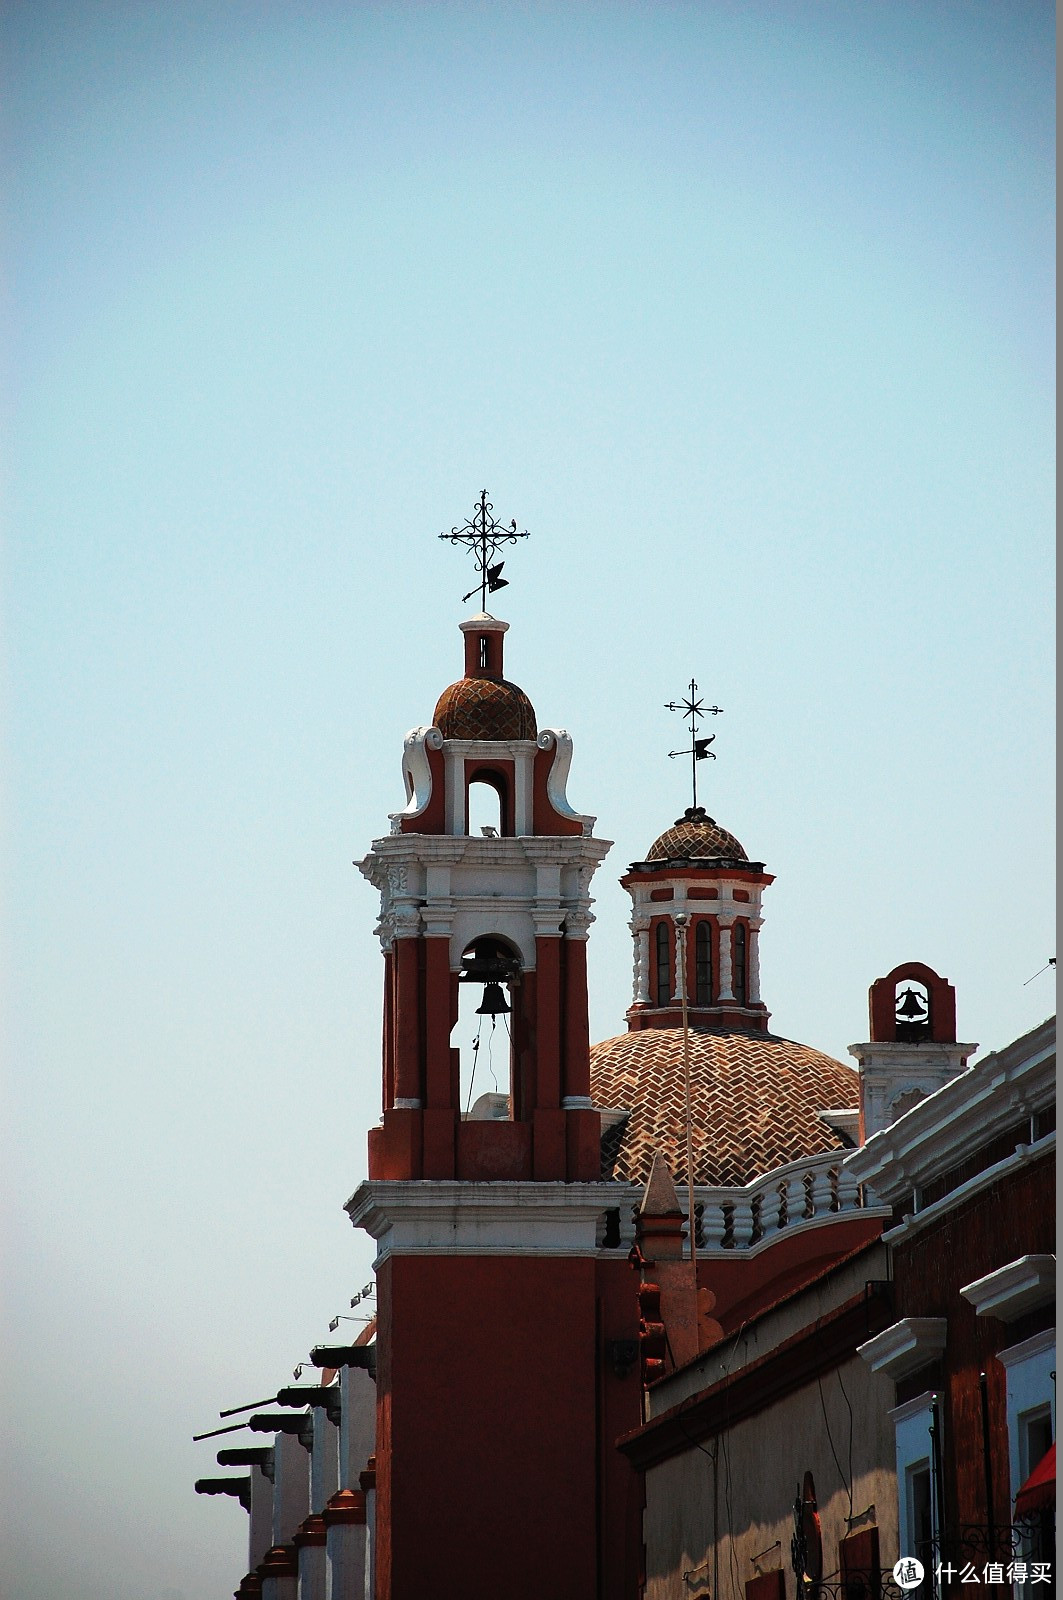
{"x":745,"y":311}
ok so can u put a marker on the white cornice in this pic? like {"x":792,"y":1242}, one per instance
{"x":1020,"y":1157}
{"x":1011,"y":1291}
{"x":905,"y":1346}
{"x":439,"y":1217}
{"x":960,"y":1117}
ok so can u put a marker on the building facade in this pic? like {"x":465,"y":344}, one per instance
{"x":543,"y":1319}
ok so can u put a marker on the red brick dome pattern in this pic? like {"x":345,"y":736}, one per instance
{"x":695,"y":835}
{"x":755,"y":1101}
{"x":484,"y":708}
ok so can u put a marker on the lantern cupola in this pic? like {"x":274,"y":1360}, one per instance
{"x":698,"y":868}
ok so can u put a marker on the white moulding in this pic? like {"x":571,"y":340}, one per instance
{"x":1011,"y":1291}
{"x":905,"y":1346}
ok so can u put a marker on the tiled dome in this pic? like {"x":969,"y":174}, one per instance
{"x":755,"y":1101}
{"x":484,"y":708}
{"x":693,"y":836}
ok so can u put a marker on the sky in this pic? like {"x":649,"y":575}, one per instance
{"x":745,"y":312}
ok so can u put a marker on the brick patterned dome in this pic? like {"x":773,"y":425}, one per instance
{"x":694,"y":836}
{"x":755,"y":1102}
{"x":484,"y":708}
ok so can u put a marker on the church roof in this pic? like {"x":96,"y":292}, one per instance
{"x":694,"y":836}
{"x":755,"y":1098}
{"x":485,"y":708}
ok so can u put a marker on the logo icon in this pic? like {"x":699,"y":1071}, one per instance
{"x":908,"y":1573}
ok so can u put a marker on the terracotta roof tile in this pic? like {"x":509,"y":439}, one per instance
{"x":484,"y":708}
{"x":693,"y":836}
{"x":755,"y":1102}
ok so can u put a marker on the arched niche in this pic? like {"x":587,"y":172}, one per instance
{"x":491,"y":975}
{"x":489,"y":801}
{"x":913,"y":1003}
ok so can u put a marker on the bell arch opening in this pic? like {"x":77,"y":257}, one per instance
{"x":911,"y":1010}
{"x":487,"y":805}
{"x":488,"y":987}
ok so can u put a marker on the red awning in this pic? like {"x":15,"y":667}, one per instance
{"x":1039,"y":1490}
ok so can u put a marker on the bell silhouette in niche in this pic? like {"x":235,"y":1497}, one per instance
{"x":913,"y":1015}
{"x":494,"y":1002}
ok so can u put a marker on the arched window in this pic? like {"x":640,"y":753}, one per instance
{"x":740,"y":963}
{"x":703,"y":964}
{"x":487,"y":805}
{"x":664,"y":965}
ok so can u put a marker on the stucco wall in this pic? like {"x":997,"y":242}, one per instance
{"x":712,"y":1509}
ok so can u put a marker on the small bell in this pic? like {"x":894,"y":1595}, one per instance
{"x":911,"y":1006}
{"x":494,"y":1002}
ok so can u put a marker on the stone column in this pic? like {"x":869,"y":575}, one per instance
{"x":260,"y":1535}
{"x":753,"y":961}
{"x":291,"y":1487}
{"x":310,"y":1549}
{"x":345,"y":1549}
{"x":324,"y":1458}
{"x":725,"y":925}
{"x":279,"y":1571}
{"x":640,"y":928}
{"x":357,"y":1423}
{"x":368,"y":1485}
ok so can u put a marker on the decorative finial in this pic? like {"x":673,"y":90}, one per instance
{"x":695,"y":709}
{"x":486,"y":536}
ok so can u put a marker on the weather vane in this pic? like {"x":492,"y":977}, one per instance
{"x":484,"y":535}
{"x":699,"y":750}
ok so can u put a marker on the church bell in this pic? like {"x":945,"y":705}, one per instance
{"x":494,"y":1002}
{"x":911,"y":1007}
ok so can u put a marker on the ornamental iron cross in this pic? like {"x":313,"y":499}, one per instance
{"x":695,"y":709}
{"x":485,"y":536}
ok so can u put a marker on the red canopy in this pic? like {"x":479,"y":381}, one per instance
{"x":1039,"y":1490}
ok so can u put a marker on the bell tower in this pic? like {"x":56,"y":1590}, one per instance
{"x":509,"y":909}
{"x":913,"y":1049}
{"x":487,"y":1219}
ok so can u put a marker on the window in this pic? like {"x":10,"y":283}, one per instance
{"x":917,"y":1516}
{"x":664,"y":965}
{"x":740,"y":963}
{"x":483,"y":651}
{"x":703,"y":964}
{"x":1030,"y":1368}
{"x":920,"y":1517}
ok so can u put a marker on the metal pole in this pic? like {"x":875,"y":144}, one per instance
{"x":987,"y":1465}
{"x":693,"y":752}
{"x":936,"y":1462}
{"x":681,"y":961}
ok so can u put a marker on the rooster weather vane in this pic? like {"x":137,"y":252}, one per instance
{"x":485,"y":536}
{"x":699,"y":750}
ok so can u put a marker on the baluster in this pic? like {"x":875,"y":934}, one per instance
{"x":713,"y":1224}
{"x":848,"y":1191}
{"x":795,"y":1199}
{"x":742,"y":1223}
{"x":821,"y":1191}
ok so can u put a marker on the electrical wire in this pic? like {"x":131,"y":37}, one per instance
{"x":847,"y":1486}
{"x":845,"y":1397}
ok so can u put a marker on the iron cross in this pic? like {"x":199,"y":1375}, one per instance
{"x":485,"y":535}
{"x":699,"y":750}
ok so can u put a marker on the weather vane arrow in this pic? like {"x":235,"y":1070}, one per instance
{"x":695,"y":709}
{"x":484,"y":535}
